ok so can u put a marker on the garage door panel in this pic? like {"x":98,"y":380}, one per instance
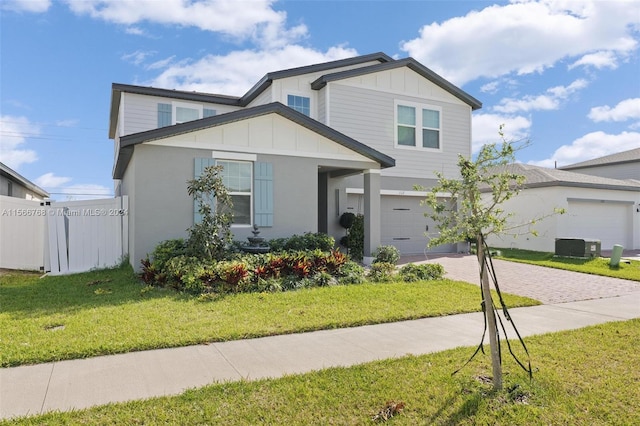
{"x":404,"y":224}
{"x":608,"y":222}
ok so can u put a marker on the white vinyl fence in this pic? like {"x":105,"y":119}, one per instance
{"x":63,"y":237}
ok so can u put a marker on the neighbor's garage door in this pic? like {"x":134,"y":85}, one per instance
{"x":609,"y":222}
{"x":404,"y":225}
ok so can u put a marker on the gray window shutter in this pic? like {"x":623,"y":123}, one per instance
{"x":263,"y":193}
{"x":164,"y":115}
{"x":199,"y":165}
{"x":208,"y":113}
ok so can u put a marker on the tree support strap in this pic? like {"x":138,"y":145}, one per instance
{"x":491,"y":270}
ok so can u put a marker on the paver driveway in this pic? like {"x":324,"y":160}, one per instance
{"x":547,"y":285}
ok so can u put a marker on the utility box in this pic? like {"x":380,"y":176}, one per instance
{"x":577,"y":247}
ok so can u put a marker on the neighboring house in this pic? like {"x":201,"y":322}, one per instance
{"x":596,"y":208}
{"x":622,"y":165}
{"x":300,"y":148}
{"x":12,"y":184}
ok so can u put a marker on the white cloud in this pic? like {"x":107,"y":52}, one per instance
{"x":237,"y":72}
{"x":551,"y":100}
{"x":135,"y":31}
{"x":597,"y":60}
{"x":526,"y":37}
{"x":486,"y":126}
{"x":14,"y":132}
{"x":60,"y":189}
{"x":491,"y":87}
{"x":71,"y":122}
{"x":138,"y":57}
{"x":33,"y":6}
{"x":590,"y":146}
{"x":50,"y":180}
{"x":256,"y":19}
{"x":625,"y":110}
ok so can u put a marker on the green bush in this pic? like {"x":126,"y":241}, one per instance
{"x":381,"y":272}
{"x":355,"y":238}
{"x":184,"y":273}
{"x":386,"y":254}
{"x":306,"y":242}
{"x":166,"y":250}
{"x":351,"y":273}
{"x":424,"y":272}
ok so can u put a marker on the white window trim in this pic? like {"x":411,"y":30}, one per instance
{"x":251,"y":215}
{"x":175,"y":105}
{"x":419,"y":127}
{"x":312,"y":103}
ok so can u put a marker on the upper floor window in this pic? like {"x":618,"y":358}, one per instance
{"x":237,"y":178}
{"x":180,"y":112}
{"x":300,"y":103}
{"x":418,"y":126}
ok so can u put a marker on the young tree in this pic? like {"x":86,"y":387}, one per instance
{"x":467,"y":216}
{"x":209,"y":237}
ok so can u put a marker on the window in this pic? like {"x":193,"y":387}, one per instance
{"x":300,"y":103}
{"x":418,"y":126}
{"x":236,"y":176}
{"x":186,"y":114}
{"x":176,"y":113}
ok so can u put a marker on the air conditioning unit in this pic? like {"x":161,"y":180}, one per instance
{"x":577,"y":247}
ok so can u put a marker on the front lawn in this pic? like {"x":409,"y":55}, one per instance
{"x":595,"y":266}
{"x":581,"y":377}
{"x":110,"y":311}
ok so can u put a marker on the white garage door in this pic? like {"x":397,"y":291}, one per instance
{"x":609,"y":222}
{"x":404,"y":226}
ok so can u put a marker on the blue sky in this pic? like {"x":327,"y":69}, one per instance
{"x":564,"y":74}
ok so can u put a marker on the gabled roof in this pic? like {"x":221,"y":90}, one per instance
{"x":409,"y":63}
{"x":630,"y":156}
{"x":259,"y":87}
{"x":537,"y":177}
{"x":266,"y":81}
{"x":128,"y":142}
{"x":17,"y":177}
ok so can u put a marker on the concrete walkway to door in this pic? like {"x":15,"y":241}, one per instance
{"x":547,"y":285}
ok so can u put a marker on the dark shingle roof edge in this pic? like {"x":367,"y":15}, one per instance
{"x":9,"y":172}
{"x":407,"y":62}
{"x":261,"y":85}
{"x":128,"y":142}
{"x":540,"y":177}
{"x":630,"y":156}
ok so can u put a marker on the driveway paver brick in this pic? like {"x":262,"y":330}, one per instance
{"x":548,"y":285}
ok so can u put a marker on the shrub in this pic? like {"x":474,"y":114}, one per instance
{"x":166,"y":250}
{"x":234,"y":275}
{"x":306,"y":242}
{"x":381,"y":272}
{"x":347,"y":219}
{"x":184,"y":273}
{"x":387,"y":254}
{"x":351,"y":273}
{"x":355,"y":240}
{"x":210,"y":237}
{"x":424,"y":272}
{"x":323,"y":279}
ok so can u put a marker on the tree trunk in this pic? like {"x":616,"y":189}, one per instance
{"x":491,"y":316}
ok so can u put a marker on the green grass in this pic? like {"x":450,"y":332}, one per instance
{"x":595,"y":266}
{"x":583,"y":377}
{"x":109,"y":311}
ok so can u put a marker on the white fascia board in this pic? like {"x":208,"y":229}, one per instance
{"x":399,"y":192}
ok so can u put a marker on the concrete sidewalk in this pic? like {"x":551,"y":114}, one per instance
{"x":83,"y":383}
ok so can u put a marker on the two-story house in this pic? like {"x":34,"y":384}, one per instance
{"x":300,"y":148}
